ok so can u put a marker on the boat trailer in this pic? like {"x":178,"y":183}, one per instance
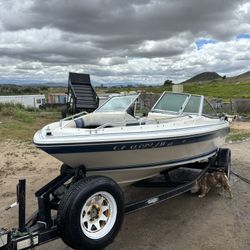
{"x":42,"y":226}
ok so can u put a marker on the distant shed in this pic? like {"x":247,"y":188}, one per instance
{"x":28,"y":101}
{"x":177,"y":88}
{"x":57,"y":98}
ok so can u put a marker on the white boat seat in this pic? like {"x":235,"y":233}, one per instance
{"x":109,"y":119}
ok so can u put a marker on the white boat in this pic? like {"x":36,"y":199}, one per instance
{"x":112,"y":141}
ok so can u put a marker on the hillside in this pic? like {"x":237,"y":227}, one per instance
{"x":204,"y":77}
{"x":221,"y":89}
{"x":212,"y":84}
{"x":245,"y":77}
{"x":213,"y":77}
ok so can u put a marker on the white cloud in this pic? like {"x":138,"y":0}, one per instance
{"x":108,"y":61}
{"x":141,"y":41}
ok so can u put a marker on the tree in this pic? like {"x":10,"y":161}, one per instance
{"x":168,"y":82}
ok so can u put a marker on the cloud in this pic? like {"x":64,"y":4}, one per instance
{"x":113,"y":61}
{"x":122,"y":41}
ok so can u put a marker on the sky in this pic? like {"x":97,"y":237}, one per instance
{"x":122,"y":41}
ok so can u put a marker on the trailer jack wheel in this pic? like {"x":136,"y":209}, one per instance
{"x":91,"y":212}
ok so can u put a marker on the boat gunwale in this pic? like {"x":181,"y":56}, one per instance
{"x":171,"y":141}
{"x":48,"y":139}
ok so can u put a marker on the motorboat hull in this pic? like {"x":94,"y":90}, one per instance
{"x":129,"y":161}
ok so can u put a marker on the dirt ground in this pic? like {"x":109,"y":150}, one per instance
{"x":186,"y":222}
{"x":243,"y":126}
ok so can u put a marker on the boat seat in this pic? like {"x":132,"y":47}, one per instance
{"x":109,"y":119}
{"x":79,"y":123}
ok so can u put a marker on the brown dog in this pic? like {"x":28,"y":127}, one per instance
{"x":217,"y":179}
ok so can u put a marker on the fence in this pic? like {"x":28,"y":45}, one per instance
{"x":233,"y":106}
{"x":242,"y":105}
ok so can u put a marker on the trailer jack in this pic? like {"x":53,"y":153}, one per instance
{"x":41,"y":227}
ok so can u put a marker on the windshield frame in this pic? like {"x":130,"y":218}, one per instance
{"x":180,"y":111}
{"x":214,"y":114}
{"x":119,"y":96}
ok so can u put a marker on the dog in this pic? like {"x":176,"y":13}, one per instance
{"x":216,"y":179}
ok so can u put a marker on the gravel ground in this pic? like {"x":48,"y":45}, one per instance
{"x":185,"y":222}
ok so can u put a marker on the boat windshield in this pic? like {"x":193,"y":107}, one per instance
{"x":178,"y":103}
{"x":118,"y":103}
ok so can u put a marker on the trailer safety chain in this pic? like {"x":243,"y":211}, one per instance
{"x":241,"y":177}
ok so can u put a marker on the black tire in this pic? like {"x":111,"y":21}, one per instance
{"x":70,"y":212}
{"x":224,"y":160}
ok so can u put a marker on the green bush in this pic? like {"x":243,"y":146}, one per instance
{"x":17,"y":111}
{"x":23,"y":116}
{"x":4,"y":107}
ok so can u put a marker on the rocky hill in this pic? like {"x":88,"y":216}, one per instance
{"x":245,"y":77}
{"x":204,"y":77}
{"x":213,"y":77}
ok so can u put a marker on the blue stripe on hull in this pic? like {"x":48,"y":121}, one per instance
{"x":129,"y":145}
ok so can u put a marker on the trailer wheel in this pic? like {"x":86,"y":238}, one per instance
{"x":90,"y":214}
{"x":224,"y":160}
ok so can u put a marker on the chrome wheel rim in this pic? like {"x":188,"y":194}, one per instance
{"x":98,"y":215}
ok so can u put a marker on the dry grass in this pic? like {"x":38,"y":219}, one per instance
{"x":18,"y":123}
